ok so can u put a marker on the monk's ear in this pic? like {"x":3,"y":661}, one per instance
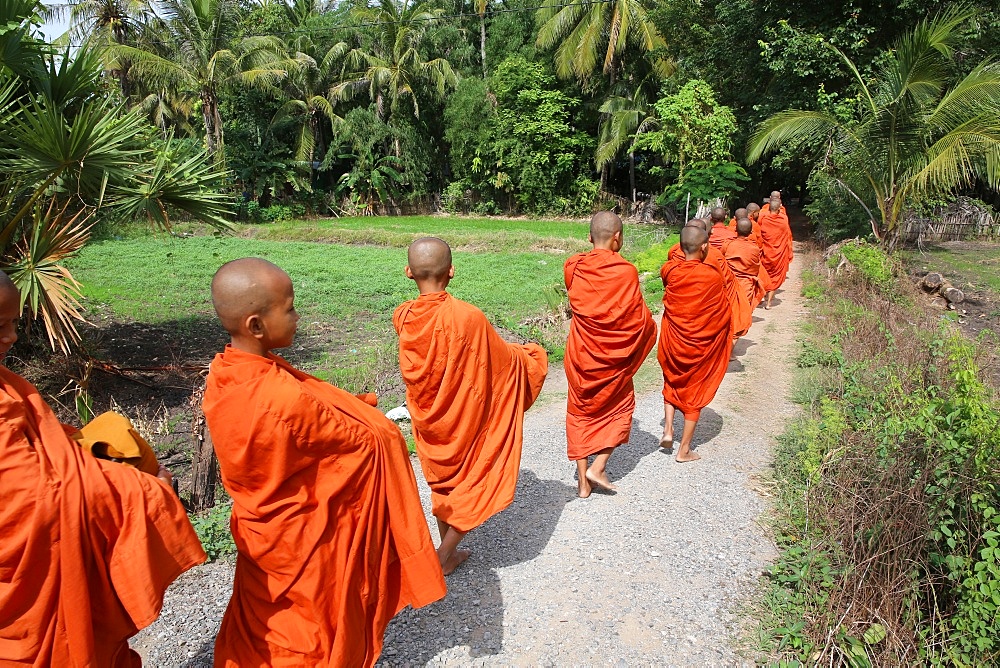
{"x":616,"y":238}
{"x":590,"y":238}
{"x":409,"y":272}
{"x":451,"y":271}
{"x":254,"y":325}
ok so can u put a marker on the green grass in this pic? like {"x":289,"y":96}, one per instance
{"x":977,"y":264}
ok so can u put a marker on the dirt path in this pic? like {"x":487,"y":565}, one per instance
{"x":652,"y":574}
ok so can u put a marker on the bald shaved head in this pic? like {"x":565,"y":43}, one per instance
{"x":752,"y":207}
{"x":743,"y":227}
{"x":741,"y":213}
{"x":428,"y":257}
{"x":718,"y":215}
{"x":776,"y":193}
{"x":8,"y":290}
{"x":698,"y":223}
{"x":10,"y":312}
{"x":603,"y":226}
{"x":692,"y":239}
{"x":244,"y":287}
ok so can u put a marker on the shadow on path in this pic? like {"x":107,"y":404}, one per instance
{"x":709,"y":426}
{"x":628,"y":456}
{"x":472,"y":612}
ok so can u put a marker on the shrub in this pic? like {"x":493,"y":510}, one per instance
{"x":212,"y":527}
{"x":654,"y":257}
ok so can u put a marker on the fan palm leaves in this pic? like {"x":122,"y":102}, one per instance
{"x":206,"y":57}
{"x":912,"y":135}
{"x":589,"y":35}
{"x":394,"y":67}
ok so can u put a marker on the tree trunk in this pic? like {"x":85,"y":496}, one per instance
{"x":203,"y":461}
{"x":208,"y":116}
{"x":482,"y":41}
{"x":631,"y":174}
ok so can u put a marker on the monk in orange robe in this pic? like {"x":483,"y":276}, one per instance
{"x":611,"y":333}
{"x":777,"y":238}
{"x":719,"y":232}
{"x":330,"y":536}
{"x":88,"y":546}
{"x":466,"y":390}
{"x":743,"y":257}
{"x":696,"y":338}
{"x":742,"y":311}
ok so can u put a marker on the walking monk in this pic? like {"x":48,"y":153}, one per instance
{"x":777,"y":243}
{"x":695,"y":338}
{"x":611,"y":334}
{"x":742,"y":311}
{"x":330,"y":536}
{"x":720,"y":232}
{"x":466,"y":390}
{"x":87,"y":546}
{"x":743,"y":257}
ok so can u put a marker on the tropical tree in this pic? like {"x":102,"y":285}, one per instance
{"x":393,"y":68}
{"x":622,"y":119}
{"x":911,"y":136}
{"x":206,"y":57}
{"x":68,"y":159}
{"x":582,"y":29}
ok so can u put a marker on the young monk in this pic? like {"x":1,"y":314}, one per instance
{"x":466,"y":391}
{"x":776,"y":235}
{"x":611,"y":333}
{"x":743,"y":257}
{"x":719,"y":233}
{"x":695,"y":338}
{"x":330,"y":536}
{"x":88,"y":546}
{"x":742,"y":312}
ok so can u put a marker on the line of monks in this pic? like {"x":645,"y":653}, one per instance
{"x":330,"y":534}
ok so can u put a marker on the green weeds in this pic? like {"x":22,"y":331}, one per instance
{"x":212,"y":527}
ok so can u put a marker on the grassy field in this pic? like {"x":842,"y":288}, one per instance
{"x":976,"y":264}
{"x":348,"y":277}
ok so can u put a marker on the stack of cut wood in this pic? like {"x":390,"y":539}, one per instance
{"x":935,"y":283}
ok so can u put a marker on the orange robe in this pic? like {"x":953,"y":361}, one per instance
{"x":466,"y":390}
{"x":742,"y":310}
{"x":695,"y":335}
{"x":777,"y":237}
{"x":611,"y":334}
{"x":720,"y":234}
{"x":330,"y":536}
{"x":754,"y":232}
{"x":87,"y":547}
{"x":743,"y":256}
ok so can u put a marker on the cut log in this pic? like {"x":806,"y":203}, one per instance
{"x":952,"y":294}
{"x":203,"y":462}
{"x":932,"y":281}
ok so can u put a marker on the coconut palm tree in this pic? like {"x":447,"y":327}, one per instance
{"x":393,"y":68}
{"x":912,"y":135}
{"x":622,"y":119}
{"x":207,"y":56}
{"x":582,"y":29}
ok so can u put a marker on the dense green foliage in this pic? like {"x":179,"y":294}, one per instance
{"x":889,"y":488}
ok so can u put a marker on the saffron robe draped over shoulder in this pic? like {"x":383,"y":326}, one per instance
{"x":466,"y":390}
{"x":330,"y":536}
{"x":754,"y":233}
{"x":738,"y":302}
{"x":611,"y":334}
{"x":87,"y":547}
{"x":695,"y":335}
{"x":777,"y":237}
{"x":720,"y":234}
{"x":743,"y":256}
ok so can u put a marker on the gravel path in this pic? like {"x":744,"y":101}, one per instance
{"x":652,"y":574}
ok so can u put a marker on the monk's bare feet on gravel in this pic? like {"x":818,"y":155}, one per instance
{"x":689,"y":457}
{"x":583,"y":488}
{"x":454,"y":561}
{"x":601,"y":480}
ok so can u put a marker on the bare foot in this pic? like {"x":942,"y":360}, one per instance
{"x":454,"y":561}
{"x":667,"y":442}
{"x":583,"y":488}
{"x":689,"y":457}
{"x":601,"y":481}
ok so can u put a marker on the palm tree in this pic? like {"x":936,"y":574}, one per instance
{"x":206,"y":57}
{"x":68,"y":158}
{"x":394,"y":66}
{"x":912,"y":135}
{"x":109,"y":22}
{"x":623,"y":118}
{"x":583,"y":28}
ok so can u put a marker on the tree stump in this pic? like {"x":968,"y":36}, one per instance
{"x":952,"y":294}
{"x":933,"y":281}
{"x":204,"y":465}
